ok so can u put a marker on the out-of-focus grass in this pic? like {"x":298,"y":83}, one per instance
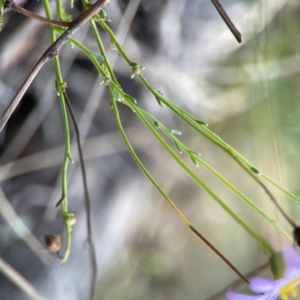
{"x":249,"y":97}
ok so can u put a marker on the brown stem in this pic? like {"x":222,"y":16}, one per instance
{"x":14,"y":6}
{"x":51,"y":52}
{"x":87,"y":198}
{"x":293,"y":224}
{"x":227,"y":20}
{"x":219,"y":254}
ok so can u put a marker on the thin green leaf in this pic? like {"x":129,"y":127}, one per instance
{"x":255,"y":171}
{"x":178,"y":147}
{"x":201,"y":123}
{"x":98,"y":56}
{"x":130,"y":98}
{"x":176,"y":132}
{"x":117,"y":96}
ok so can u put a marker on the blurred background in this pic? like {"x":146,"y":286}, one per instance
{"x":248,"y":93}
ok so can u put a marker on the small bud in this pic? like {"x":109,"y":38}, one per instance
{"x":254,"y":170}
{"x":201,"y":123}
{"x":72,"y":221}
{"x":105,"y":80}
{"x":103,"y":13}
{"x":52,"y":242}
{"x":136,"y":69}
{"x":176,"y":132}
{"x":71,"y":44}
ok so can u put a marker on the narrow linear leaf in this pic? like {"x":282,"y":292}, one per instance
{"x":156,"y":124}
{"x":194,"y":161}
{"x":255,"y":171}
{"x":70,"y":158}
{"x":158,"y":101}
{"x":194,"y":152}
{"x":98,"y":56}
{"x":215,"y":136}
{"x":117,"y":96}
{"x":178,"y":147}
{"x":158,"y":91}
{"x":71,"y":44}
{"x":201,"y":123}
{"x":176,"y":132}
{"x":130,"y":98}
{"x":2,"y":2}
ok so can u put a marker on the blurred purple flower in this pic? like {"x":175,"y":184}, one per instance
{"x":269,"y":289}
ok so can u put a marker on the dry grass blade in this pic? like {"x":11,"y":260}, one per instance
{"x":10,"y":216}
{"x":19,"y":280}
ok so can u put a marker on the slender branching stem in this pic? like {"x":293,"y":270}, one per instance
{"x":67,"y":153}
{"x":213,"y":171}
{"x":190,"y":120}
{"x":169,"y":201}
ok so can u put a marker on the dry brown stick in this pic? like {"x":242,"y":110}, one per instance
{"x":17,"y":8}
{"x":214,"y":249}
{"x":51,"y":52}
{"x":90,"y":240}
{"x":227,"y":20}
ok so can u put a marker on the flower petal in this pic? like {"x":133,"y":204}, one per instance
{"x":235,"y":296}
{"x":261,"y":285}
{"x":291,"y":258}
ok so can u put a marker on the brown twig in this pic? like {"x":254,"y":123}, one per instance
{"x":219,"y":254}
{"x":17,"y":8}
{"x":272,"y":198}
{"x":87,"y":199}
{"x":227,"y":20}
{"x":51,"y":52}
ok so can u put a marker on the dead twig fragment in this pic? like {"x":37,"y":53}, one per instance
{"x":17,"y":8}
{"x":227,"y":20}
{"x":90,"y":240}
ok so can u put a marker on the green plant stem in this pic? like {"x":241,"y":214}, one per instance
{"x":262,"y":242}
{"x":101,"y":46}
{"x":161,"y":191}
{"x":102,"y":51}
{"x":202,"y":129}
{"x":282,"y":189}
{"x":60,"y":10}
{"x":67,"y":154}
{"x":115,"y":41}
{"x":213,"y":171}
{"x":230,"y":186}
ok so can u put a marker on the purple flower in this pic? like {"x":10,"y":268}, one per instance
{"x":269,"y":289}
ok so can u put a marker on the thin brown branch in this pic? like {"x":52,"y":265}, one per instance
{"x":219,"y":254}
{"x":272,"y":198}
{"x":293,"y":224}
{"x":227,"y":20}
{"x":14,"y":6}
{"x":90,"y":240}
{"x":51,"y":52}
